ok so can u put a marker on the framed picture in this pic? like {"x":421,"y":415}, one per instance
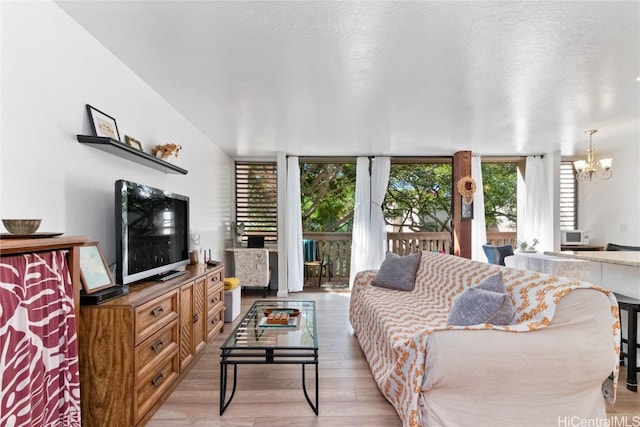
{"x":103,"y":124}
{"x":132,"y":142}
{"x":94,"y":270}
{"x":466,"y":211}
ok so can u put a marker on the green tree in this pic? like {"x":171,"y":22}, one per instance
{"x":419,"y":197}
{"x":500,"y":193}
{"x":328,"y":194}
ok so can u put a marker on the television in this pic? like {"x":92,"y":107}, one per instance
{"x":152,"y":232}
{"x":574,"y":237}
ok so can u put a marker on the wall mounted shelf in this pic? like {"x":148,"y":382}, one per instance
{"x":121,"y":149}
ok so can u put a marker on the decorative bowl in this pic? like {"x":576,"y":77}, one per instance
{"x":21,"y":226}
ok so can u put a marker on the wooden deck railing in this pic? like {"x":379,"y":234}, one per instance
{"x":336,"y":247}
{"x":500,"y":238}
{"x":406,"y":243}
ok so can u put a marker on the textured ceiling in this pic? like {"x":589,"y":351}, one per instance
{"x":398,"y":78}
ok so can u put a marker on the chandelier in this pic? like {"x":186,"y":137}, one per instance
{"x":586,"y":169}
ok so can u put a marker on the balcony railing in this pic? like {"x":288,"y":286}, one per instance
{"x":407,"y":243}
{"x":500,"y":238}
{"x":336,"y":247}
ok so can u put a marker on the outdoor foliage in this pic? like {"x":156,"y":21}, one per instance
{"x":418,"y":197}
{"x":328,"y":194}
{"x":500,"y":194}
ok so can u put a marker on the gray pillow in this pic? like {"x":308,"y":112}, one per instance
{"x":487,"y":302}
{"x":398,"y":272}
{"x":493,"y":283}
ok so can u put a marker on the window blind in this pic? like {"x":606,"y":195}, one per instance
{"x":257,"y":199}
{"x":568,"y":197}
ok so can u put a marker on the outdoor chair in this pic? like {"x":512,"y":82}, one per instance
{"x":497,"y":254}
{"x":313,"y":260}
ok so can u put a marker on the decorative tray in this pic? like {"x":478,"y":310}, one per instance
{"x":292,"y":312}
{"x":293,"y":323}
{"x":37,"y":235}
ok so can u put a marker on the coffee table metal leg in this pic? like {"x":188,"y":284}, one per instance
{"x":223,"y":386}
{"x":304,"y":388}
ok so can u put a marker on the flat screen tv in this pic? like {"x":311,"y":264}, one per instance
{"x":152,"y":232}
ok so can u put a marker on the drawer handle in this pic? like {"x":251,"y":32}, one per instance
{"x":195,"y":318}
{"x":214,"y":321}
{"x":157,"y":311}
{"x":157,"y":380}
{"x":215,"y":279}
{"x":214,"y":300}
{"x":158,"y":345}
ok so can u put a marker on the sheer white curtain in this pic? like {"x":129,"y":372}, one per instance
{"x":537,"y":221}
{"x":293,"y":231}
{"x":377,"y":234}
{"x":478,"y":224}
{"x":361,"y":214}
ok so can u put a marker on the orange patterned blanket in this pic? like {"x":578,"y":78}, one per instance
{"x":393,"y":326}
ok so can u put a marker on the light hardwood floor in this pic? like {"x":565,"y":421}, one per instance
{"x":271,"y":396}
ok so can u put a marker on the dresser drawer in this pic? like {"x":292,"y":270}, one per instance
{"x":215,"y":297}
{"x":154,"y":315}
{"x":215,"y":322}
{"x":149,"y":389}
{"x":215,"y":278}
{"x":156,"y":348}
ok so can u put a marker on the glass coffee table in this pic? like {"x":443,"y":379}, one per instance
{"x":255,"y":342}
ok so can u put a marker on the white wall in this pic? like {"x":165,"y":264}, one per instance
{"x":610,"y":210}
{"x":51,"y":67}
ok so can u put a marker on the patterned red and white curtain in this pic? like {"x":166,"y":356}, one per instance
{"x":38,"y":342}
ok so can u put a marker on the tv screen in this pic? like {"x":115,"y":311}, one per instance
{"x":152,"y":232}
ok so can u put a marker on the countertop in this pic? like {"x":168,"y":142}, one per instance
{"x":629,"y":258}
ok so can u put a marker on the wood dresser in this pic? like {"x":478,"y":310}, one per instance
{"x":135,"y":348}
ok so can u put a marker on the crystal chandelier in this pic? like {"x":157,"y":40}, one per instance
{"x":586,"y":169}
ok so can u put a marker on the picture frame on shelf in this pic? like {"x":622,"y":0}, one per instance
{"x":132,"y":142}
{"x":103,"y":124}
{"x":94,"y":270}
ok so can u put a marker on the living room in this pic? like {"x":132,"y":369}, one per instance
{"x":52,"y":66}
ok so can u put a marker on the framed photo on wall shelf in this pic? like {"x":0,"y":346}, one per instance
{"x":103,"y":124}
{"x":94,"y":270}
{"x":132,"y":142}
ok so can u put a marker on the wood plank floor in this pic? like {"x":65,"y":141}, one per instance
{"x":272,"y":396}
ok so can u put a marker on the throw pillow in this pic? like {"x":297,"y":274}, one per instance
{"x":487,"y":302}
{"x":493,"y":283}
{"x":398,"y":272}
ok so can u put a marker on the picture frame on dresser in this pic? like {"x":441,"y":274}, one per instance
{"x":103,"y":124}
{"x":94,"y":270}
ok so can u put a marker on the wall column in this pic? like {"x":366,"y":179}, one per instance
{"x":461,"y":228}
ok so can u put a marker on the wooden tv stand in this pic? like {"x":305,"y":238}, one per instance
{"x":136,"y":348}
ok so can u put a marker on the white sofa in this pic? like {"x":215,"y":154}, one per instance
{"x":556,"y":359}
